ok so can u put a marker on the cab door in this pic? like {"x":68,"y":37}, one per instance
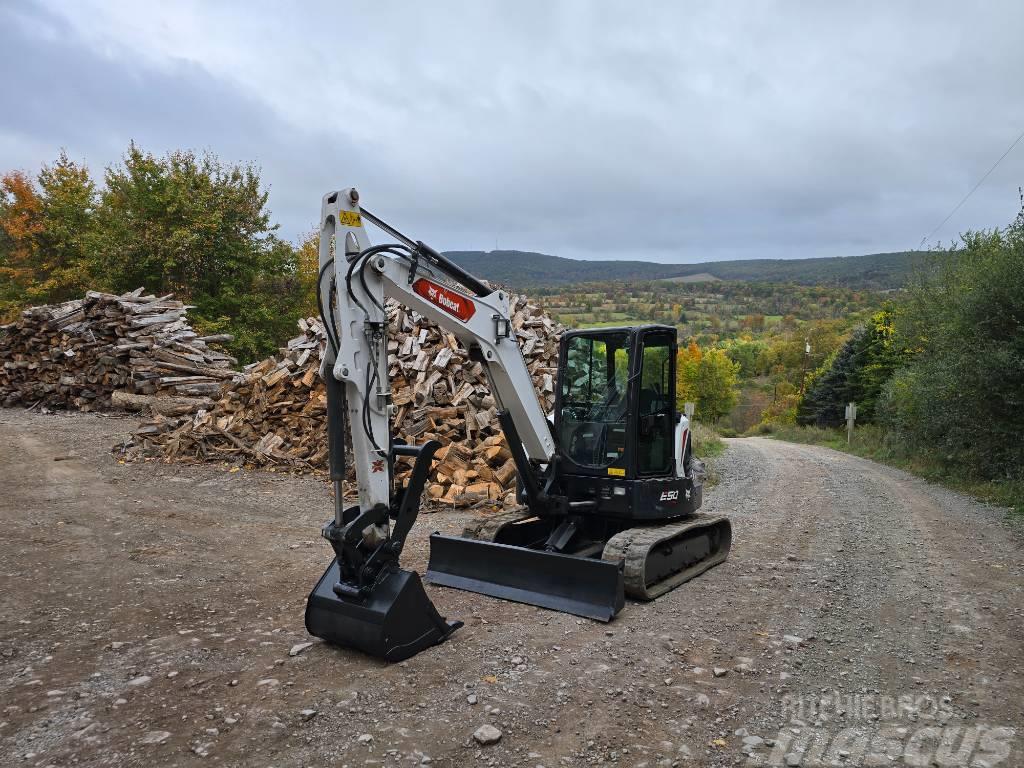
{"x":656,"y":404}
{"x":593,"y":419}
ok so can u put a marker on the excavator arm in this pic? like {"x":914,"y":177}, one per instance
{"x":364,"y":599}
{"x":358,"y":278}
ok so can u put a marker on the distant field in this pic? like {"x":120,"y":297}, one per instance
{"x":611,"y":323}
{"x":700,"y":277}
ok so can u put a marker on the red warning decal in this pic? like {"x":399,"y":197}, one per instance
{"x":450,"y":301}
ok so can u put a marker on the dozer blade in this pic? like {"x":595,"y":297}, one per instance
{"x":578,"y":585}
{"x":395,"y":621}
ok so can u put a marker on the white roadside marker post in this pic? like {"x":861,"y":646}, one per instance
{"x":851,"y":416}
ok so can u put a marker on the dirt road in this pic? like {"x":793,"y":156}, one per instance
{"x":147,"y":612}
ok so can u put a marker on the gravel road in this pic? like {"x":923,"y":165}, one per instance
{"x":151,"y":614}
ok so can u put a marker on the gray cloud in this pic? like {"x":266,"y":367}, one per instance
{"x":762,"y":130}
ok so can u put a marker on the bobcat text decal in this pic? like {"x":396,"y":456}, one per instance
{"x":450,"y":301}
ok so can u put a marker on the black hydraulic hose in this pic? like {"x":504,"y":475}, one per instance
{"x":328,"y":320}
{"x":361,"y":259}
{"x":371,"y":380}
{"x":348,"y":285}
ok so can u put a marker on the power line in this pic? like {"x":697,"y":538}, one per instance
{"x":973,"y":189}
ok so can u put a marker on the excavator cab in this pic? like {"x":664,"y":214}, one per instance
{"x":616,"y":423}
{"x":615,"y":513}
{"x":615,"y":408}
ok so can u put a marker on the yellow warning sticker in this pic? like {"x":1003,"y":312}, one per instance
{"x":350,"y":218}
{"x":617,"y":471}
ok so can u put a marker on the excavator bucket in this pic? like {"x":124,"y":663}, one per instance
{"x":579,"y":585}
{"x":394,"y":621}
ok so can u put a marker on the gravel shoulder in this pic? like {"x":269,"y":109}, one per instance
{"x":148,"y":611}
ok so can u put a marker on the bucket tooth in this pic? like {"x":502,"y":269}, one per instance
{"x":395,"y":621}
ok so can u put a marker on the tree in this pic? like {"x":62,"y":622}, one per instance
{"x":20,"y":225}
{"x":708,"y":379}
{"x":857,"y":374}
{"x":748,"y":354}
{"x":184,"y":223}
{"x":960,"y":395}
{"x":687,"y":361}
{"x":307,"y":267}
{"x":715,"y":385}
{"x":46,"y":229}
{"x":199,"y":228}
{"x":67,"y":262}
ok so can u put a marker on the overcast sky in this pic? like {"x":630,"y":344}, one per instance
{"x":661,"y":131}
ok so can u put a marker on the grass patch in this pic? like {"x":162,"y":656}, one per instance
{"x":873,"y":442}
{"x":707,"y":446}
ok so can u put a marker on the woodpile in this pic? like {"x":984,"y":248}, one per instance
{"x":79,"y":353}
{"x":273,"y":413}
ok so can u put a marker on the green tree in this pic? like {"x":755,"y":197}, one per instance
{"x":708,"y":379}
{"x":748,"y":354}
{"x":184,"y":223}
{"x":715,"y":385}
{"x":856,"y":373}
{"x":68,"y":262}
{"x":199,"y":228}
{"x":961,"y":395}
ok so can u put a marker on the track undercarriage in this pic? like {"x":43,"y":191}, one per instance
{"x":648,"y":560}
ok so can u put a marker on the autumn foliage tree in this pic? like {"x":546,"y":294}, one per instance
{"x":708,"y":379}
{"x":46,"y":229}
{"x":181,"y":223}
{"x":20,"y":224}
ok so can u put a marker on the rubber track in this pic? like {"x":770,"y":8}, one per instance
{"x":634,"y":544}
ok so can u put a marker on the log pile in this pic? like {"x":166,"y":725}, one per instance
{"x":273,"y":413}
{"x":77,"y":354}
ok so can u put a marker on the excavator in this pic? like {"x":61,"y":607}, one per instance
{"x":608,"y":488}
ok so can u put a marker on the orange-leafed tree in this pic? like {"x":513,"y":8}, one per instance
{"x":46,"y":227}
{"x":21,"y":222}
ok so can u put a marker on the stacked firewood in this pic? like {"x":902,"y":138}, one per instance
{"x":273,"y":413}
{"x":80,"y":353}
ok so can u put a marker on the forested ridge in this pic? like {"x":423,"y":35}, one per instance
{"x":529,"y":270}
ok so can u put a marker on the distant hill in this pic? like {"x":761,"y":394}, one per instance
{"x":525,"y":269}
